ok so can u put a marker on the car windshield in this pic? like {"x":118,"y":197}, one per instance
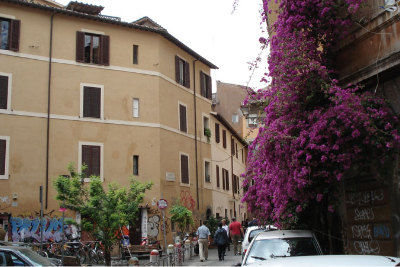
{"x":277,"y":248}
{"x":35,"y":258}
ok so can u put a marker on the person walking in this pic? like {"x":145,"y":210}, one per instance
{"x":226,"y":227}
{"x":220,"y":239}
{"x":3,"y":233}
{"x":203,"y":237}
{"x":236,"y":230}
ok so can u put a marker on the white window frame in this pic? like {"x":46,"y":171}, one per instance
{"x":208,"y":126}
{"x":101,"y":145}
{"x":253,"y":118}
{"x":235,"y":118}
{"x":82,"y":86}
{"x":180,"y":169}
{"x":179,"y":117}
{"x":209,"y":170}
{"x":9,"y":75}
{"x":7,"y":162}
{"x":135,"y":107}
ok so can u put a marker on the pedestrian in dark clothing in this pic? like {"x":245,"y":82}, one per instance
{"x":221,"y":239}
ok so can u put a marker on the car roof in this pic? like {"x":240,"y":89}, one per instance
{"x":284,"y":234}
{"x":331,"y":260}
{"x":12,"y":248}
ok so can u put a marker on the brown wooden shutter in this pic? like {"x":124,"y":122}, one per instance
{"x":87,"y":102}
{"x":202,"y":85}
{"x":177,"y":69}
{"x":242,"y":155}
{"x":233,"y":183}
{"x":224,"y":138}
{"x":80,"y":47}
{"x":105,"y":50}
{"x":238,"y":184}
{"x":3,"y":92}
{"x":182,"y":118}
{"x":91,"y":157}
{"x":15,"y":28}
{"x":208,"y":86}
{"x":86,"y":159}
{"x":232,"y":146}
{"x":223,"y":179}
{"x":96,"y":102}
{"x":236,"y":151}
{"x":217,"y":170}
{"x":187,"y":75}
{"x":227,"y":179}
{"x":3,"y":145}
{"x":95,"y":160}
{"x":185,"y":169}
{"x":217,"y":139}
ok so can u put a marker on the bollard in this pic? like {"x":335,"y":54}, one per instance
{"x":194,"y":242}
{"x":170,"y":249}
{"x":178,"y":252}
{"x":154,"y":255}
{"x":133,"y":261}
{"x":187,"y":250}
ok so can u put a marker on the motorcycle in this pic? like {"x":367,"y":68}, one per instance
{"x":145,"y":242}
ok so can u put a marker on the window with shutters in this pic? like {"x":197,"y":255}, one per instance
{"x":135,"y":54}
{"x":4,"y":156}
{"x":5,"y":91}
{"x":207,"y":171}
{"x":184,"y":169}
{"x":227,"y":179}
{"x":217,"y":175}
{"x":92,"y":100}
{"x":182,"y":117}
{"x":236,"y":151}
{"x":91,"y":154}
{"x":135,"y":105}
{"x":217,"y":138}
{"x":205,"y":85}
{"x":182,"y":72}
{"x":92,"y":48}
{"x":232,"y":146}
{"x":10,"y":33}
{"x":224,"y":138}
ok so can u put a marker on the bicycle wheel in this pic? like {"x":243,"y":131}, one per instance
{"x":94,"y":258}
{"x":42,"y":253}
{"x":101,"y":257}
{"x":81,"y":255}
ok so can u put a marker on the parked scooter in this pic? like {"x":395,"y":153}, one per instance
{"x":145,"y":241}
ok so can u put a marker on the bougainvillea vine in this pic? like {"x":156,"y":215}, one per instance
{"x":314,"y":130}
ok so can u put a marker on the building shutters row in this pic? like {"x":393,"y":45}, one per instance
{"x":185,"y":169}
{"x":225,"y":179}
{"x":3,"y":92}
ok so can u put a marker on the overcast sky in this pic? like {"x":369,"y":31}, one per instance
{"x":209,"y":27}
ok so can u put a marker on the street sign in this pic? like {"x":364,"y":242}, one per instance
{"x":162,"y":204}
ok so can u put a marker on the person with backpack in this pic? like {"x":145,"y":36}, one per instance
{"x":221,"y":239}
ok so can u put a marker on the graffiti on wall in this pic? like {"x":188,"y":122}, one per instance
{"x":155,"y":226}
{"x":28,"y":227}
{"x":187,"y":200}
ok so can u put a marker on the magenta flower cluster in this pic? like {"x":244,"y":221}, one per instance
{"x":314,"y":130}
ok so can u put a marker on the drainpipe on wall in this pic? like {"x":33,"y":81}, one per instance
{"x":195,"y":132}
{"x":48,"y":110}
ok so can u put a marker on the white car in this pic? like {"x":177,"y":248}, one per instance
{"x":251,"y":232}
{"x":281,"y":244}
{"x":331,"y":260}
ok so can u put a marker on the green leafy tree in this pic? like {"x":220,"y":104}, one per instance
{"x":182,"y":216}
{"x":110,"y":209}
{"x":212,"y":224}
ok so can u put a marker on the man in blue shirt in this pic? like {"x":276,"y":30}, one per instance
{"x":203,"y":237}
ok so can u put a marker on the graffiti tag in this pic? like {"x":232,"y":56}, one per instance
{"x":381,"y":231}
{"x":367,"y":247}
{"x":361,"y":231}
{"x":364,"y":214}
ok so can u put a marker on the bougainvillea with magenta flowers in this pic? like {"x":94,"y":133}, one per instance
{"x":314,"y":130}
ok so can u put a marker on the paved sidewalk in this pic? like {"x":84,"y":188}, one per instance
{"x":213,"y":260}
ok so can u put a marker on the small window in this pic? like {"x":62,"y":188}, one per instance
{"x":182,"y":72}
{"x":92,"y":48}
{"x":5,"y":91}
{"x":206,"y":125}
{"x":135,"y":108}
{"x":4,"y":156}
{"x":207,"y":171}
{"x":252,"y":121}
{"x":92,"y":102}
{"x":135,"y":54}
{"x":182,"y":118}
{"x":205,"y":85}
{"x":224,"y":138}
{"x":10,"y":33}
{"x":136,"y":165}
{"x":184,"y":169}
{"x":235,"y":118}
